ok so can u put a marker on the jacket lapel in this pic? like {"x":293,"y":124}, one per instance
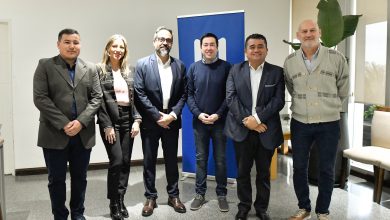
{"x":247,"y":76}
{"x":263,"y":79}
{"x":80,"y":72}
{"x":156,"y":74}
{"x":61,"y":68}
{"x":175,"y":73}
{"x":247,"y":80}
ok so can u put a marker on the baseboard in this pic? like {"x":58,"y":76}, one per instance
{"x":368,"y":176}
{"x":92,"y":166}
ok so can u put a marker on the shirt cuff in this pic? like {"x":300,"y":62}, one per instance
{"x":138,"y":120}
{"x":173,"y":114}
{"x":257,"y":118}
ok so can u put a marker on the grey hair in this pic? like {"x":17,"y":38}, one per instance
{"x":160,"y":29}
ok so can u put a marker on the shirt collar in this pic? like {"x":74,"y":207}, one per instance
{"x":314,"y":56}
{"x":67,"y":65}
{"x":207,"y":62}
{"x":159,"y":61}
{"x":260,"y":68}
{"x":73,"y":68}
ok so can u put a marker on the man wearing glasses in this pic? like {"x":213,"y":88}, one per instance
{"x":160,"y":95}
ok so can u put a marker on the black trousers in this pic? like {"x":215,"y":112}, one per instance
{"x":56,"y":163}
{"x":248,"y":151}
{"x":150,"y":142}
{"x":119,"y":154}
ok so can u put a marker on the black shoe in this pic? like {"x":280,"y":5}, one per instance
{"x":122,"y":207}
{"x":263,"y":216}
{"x":241,"y":215}
{"x":115,"y":212}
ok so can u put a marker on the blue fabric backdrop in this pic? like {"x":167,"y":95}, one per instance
{"x":229,"y":27}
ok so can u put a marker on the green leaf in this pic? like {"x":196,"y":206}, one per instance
{"x":330,"y":21}
{"x":350,"y":24}
{"x":295,"y":46}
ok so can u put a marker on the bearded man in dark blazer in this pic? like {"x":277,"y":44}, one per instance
{"x":160,"y":95}
{"x":67,"y":92}
{"x":254,"y":95}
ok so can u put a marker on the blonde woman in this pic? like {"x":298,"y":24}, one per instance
{"x":118,"y":120}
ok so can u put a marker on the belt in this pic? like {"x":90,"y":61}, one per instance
{"x":124,"y":108}
{"x":165,"y":111}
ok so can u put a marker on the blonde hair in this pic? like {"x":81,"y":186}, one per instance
{"x":106,"y":58}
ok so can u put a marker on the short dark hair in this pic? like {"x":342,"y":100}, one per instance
{"x":67,"y":31}
{"x":256,"y":36}
{"x":209,"y":35}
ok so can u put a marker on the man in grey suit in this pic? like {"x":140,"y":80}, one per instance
{"x":160,"y":95}
{"x":67,"y":93}
{"x":254,"y":95}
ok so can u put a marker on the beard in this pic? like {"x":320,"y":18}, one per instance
{"x":310,"y":44}
{"x":163,"y":51}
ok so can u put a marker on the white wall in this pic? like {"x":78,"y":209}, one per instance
{"x":35,"y":25}
{"x":6,"y":114}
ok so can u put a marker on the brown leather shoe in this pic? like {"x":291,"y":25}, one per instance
{"x":176,"y":204}
{"x":149,"y":206}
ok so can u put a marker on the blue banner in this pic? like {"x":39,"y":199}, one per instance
{"x":229,"y":27}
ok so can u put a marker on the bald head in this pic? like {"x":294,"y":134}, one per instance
{"x":309,"y":34}
{"x":307,"y":22}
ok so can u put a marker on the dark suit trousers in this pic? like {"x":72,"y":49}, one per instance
{"x":150,"y":142}
{"x":56,"y":163}
{"x":119,"y":154}
{"x":248,"y":151}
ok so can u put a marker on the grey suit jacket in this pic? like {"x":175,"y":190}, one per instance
{"x":53,"y":93}
{"x":270,"y":100}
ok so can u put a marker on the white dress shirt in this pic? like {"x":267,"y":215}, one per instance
{"x":166,"y":78}
{"x":255,"y":75}
{"x":165,"y":72}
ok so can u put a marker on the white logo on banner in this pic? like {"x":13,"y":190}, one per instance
{"x":221,"y":49}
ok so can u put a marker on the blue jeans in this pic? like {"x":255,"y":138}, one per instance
{"x":56,"y":163}
{"x":203,"y":133}
{"x":326,"y":136}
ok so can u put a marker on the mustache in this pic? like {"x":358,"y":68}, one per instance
{"x":163,"y":50}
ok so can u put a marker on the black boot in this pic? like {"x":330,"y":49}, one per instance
{"x":115,"y":212}
{"x":123,"y":208}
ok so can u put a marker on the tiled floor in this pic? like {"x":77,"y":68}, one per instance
{"x":28,"y":199}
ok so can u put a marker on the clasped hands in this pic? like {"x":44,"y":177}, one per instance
{"x":251,"y":123}
{"x":208,"y":119}
{"x":165,"y":120}
{"x":72,"y":128}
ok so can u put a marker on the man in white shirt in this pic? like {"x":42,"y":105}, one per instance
{"x":254,"y":96}
{"x":160,"y":95}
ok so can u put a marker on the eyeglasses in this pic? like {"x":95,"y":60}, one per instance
{"x":163,"y":39}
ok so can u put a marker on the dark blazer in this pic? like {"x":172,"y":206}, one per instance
{"x":108,"y":113}
{"x":53,"y":94}
{"x":148,"y":91}
{"x":270,"y":100}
